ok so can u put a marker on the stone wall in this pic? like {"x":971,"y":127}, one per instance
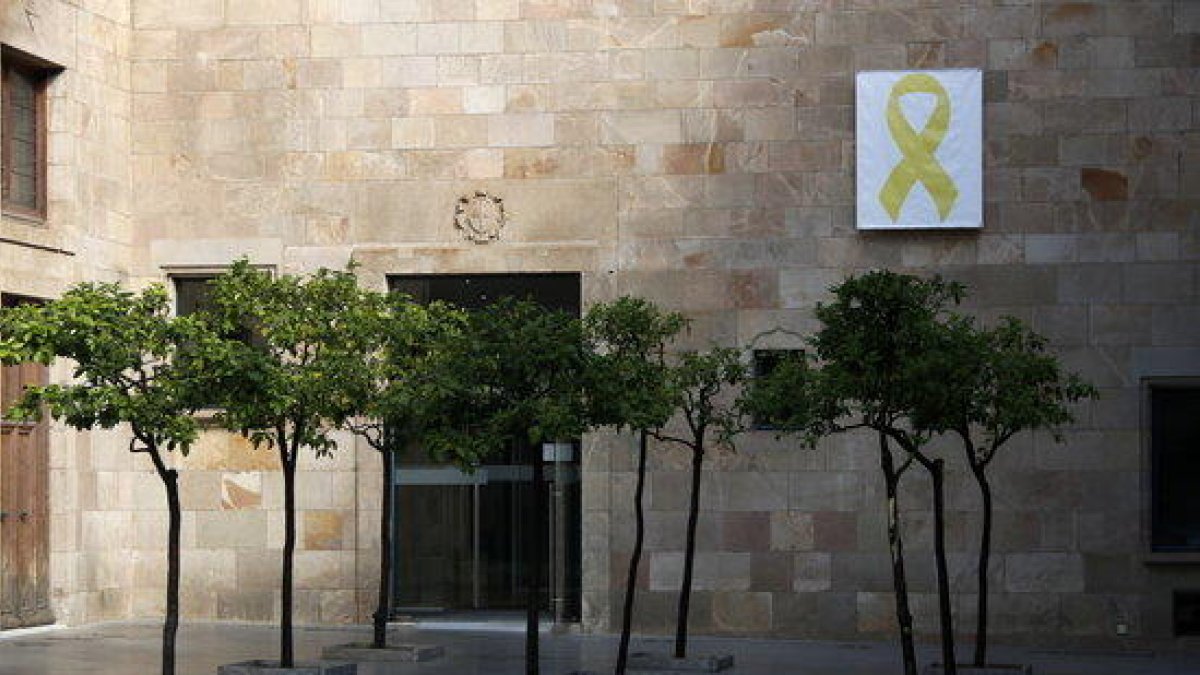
{"x":699,"y":153}
{"x":87,"y":235}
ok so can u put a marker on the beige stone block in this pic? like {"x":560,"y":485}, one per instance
{"x":413,"y":132}
{"x":484,"y":100}
{"x":523,"y":98}
{"x":482,"y":37}
{"x":481,"y":163}
{"x":409,"y":71}
{"x":641,"y":33}
{"x":257,"y":570}
{"x":404,"y":10}
{"x":650,"y":126}
{"x":389,"y":39}
{"x":265,"y":12}
{"x":369,"y":134}
{"x":457,"y":70}
{"x":224,"y":450}
{"x":335,"y":40}
{"x":358,"y":11}
{"x":529,"y":129}
{"x":434,"y":101}
{"x":627,"y":65}
{"x":316,"y":489}
{"x":497,"y":10}
{"x":438,"y":38}
{"x":501,"y":68}
{"x":231,"y":529}
{"x":460,"y":131}
{"x":326,"y":530}
{"x":208,"y":571}
{"x":535,"y":36}
{"x":339,"y":607}
{"x":150,"y":43}
{"x":178,"y":14}
{"x":324,"y":570}
{"x":148,"y":77}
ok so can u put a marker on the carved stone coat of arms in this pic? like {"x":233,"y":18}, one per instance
{"x":480,"y":217}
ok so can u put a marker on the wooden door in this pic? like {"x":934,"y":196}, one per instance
{"x":24,"y":507}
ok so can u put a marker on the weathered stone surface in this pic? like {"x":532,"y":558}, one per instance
{"x":364,"y":653}
{"x":654,"y":661}
{"x":263,"y":667}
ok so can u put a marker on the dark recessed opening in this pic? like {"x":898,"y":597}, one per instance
{"x":1186,"y":613}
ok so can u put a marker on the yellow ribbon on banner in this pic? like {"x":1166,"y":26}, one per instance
{"x":918,"y":163}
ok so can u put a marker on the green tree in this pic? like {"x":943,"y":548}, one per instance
{"x":628,"y":388}
{"x":702,"y":385}
{"x":134,"y":364}
{"x":514,"y":379}
{"x":399,"y":402}
{"x":986,"y":387}
{"x":875,"y":346}
{"x":868,"y":363}
{"x":292,"y":387}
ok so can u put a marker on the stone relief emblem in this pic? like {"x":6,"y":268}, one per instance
{"x":480,"y":217}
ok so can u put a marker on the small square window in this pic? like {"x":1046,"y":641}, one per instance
{"x":765,"y":361}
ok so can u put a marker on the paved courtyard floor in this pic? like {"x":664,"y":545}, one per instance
{"x":132,"y":648}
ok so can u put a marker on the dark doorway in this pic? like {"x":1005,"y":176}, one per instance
{"x":462,"y":540}
{"x":24,"y":500}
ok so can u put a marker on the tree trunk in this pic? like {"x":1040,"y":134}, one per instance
{"x":896,"y":547}
{"x":383,"y":610}
{"x":635,"y":558}
{"x":689,"y":554}
{"x":985,"y":551}
{"x":170,"y":479}
{"x":937,"y":471}
{"x":286,"y":651}
{"x":533,"y":578}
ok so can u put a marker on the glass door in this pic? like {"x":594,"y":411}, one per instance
{"x":462,"y":541}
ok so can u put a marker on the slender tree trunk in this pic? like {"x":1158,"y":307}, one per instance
{"x":635,"y":558}
{"x":689,"y":554}
{"x":383,"y":610}
{"x":533,"y":578}
{"x":985,"y":551}
{"x":170,"y":479}
{"x":904,"y":617}
{"x":937,"y":472}
{"x":286,"y":651}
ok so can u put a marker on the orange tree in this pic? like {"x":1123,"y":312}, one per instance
{"x":133,"y":364}
{"x":291,"y":390}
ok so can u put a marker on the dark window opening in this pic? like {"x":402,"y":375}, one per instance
{"x":192,"y":294}
{"x":1185,"y":610}
{"x":1175,"y":468}
{"x":765,"y":361}
{"x":23,"y":128}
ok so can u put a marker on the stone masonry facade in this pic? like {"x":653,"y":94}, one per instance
{"x":696,"y":152}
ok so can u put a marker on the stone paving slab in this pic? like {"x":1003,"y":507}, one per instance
{"x":133,"y":647}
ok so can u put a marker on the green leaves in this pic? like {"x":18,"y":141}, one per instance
{"x":628,"y":382}
{"x":514,"y":373}
{"x":893,"y":355}
{"x":301,"y":374}
{"x":127,"y":353}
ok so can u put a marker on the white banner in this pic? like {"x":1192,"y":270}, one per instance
{"x":920,"y":149}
